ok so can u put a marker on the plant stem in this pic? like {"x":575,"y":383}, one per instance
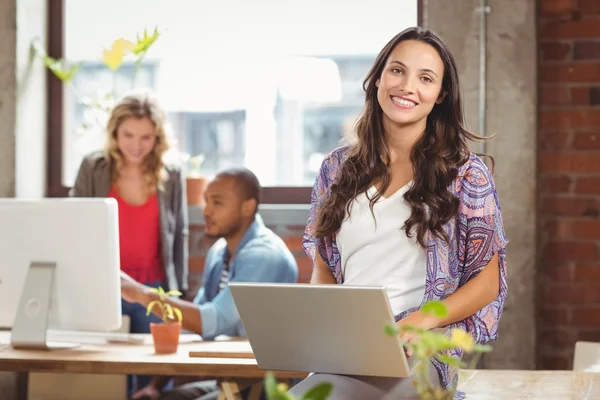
{"x":78,"y":98}
{"x":72,"y":89}
{"x":138,"y":65}
{"x":425,"y":371}
{"x":114,"y":83}
{"x":474,"y":361}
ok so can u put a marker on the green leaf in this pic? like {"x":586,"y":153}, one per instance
{"x":197,"y":161}
{"x":319,"y":392}
{"x":272,"y":389}
{"x":270,"y":386}
{"x":450,"y":360}
{"x":151,"y":306}
{"x":430,"y":340}
{"x":60,"y":69}
{"x":444,"y":343}
{"x":168,"y":313}
{"x":435,"y":308}
{"x":144,"y":43}
{"x":437,"y":341}
{"x":178,"y":314}
{"x":411,"y":328}
{"x":482,"y":348}
{"x":392,"y":329}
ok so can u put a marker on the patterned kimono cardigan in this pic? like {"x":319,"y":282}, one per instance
{"x":476,"y":235}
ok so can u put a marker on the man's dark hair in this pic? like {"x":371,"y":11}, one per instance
{"x":245,"y":182}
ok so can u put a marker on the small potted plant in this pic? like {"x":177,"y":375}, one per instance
{"x":165,"y":334}
{"x":195,"y":181}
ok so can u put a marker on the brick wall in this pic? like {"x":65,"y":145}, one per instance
{"x":569,"y":173}
{"x":199,"y":245}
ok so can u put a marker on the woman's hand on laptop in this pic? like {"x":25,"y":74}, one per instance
{"x":417,"y":320}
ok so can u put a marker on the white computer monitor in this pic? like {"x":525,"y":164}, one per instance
{"x":59,"y":268}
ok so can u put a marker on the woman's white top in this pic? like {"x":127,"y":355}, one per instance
{"x":378,"y":252}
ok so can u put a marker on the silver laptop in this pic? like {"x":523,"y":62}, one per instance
{"x":320,"y":328}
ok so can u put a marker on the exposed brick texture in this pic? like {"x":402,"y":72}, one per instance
{"x":569,"y":168}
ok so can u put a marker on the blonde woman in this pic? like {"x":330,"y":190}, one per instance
{"x":153,"y":226}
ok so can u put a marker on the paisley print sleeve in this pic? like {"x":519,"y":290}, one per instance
{"x":481,"y":236}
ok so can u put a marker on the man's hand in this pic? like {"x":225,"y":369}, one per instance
{"x":149,"y":392}
{"x":417,"y":320}
{"x":133,"y":291}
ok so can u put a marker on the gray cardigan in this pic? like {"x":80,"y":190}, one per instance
{"x":94,"y":180}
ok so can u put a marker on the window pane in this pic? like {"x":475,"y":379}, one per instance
{"x":272,"y":85}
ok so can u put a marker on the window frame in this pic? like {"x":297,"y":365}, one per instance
{"x":54,"y":121}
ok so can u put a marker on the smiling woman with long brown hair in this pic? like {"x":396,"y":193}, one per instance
{"x":409,"y":207}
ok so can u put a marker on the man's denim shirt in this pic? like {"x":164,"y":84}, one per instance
{"x":260,"y":257}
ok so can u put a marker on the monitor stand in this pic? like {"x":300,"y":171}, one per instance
{"x":30,"y":328}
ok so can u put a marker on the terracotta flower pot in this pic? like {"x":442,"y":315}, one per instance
{"x":165,"y":336}
{"x":196,"y":185}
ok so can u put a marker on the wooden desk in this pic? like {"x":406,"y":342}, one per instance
{"x":109,"y":358}
{"x":140,"y":359}
{"x":529,"y":385}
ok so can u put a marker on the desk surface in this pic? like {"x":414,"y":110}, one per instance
{"x":517,"y":385}
{"x":139,"y":359}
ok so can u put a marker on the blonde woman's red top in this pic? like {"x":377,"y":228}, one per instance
{"x":139,"y":237}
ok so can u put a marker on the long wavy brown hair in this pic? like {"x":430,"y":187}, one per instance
{"x":138,"y":104}
{"x":435,"y":157}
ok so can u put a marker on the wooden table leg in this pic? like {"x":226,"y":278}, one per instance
{"x":229,"y":391}
{"x":255,"y":391}
{"x":22,"y":385}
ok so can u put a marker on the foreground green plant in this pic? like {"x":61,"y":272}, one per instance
{"x":430,"y":345}
{"x":278,"y":391}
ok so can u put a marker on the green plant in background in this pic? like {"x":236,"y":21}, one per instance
{"x":99,"y":106}
{"x":430,"y":344}
{"x":167,"y":311}
{"x":194,"y":164}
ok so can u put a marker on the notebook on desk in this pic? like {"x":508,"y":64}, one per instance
{"x":320,"y":328}
{"x":223,"y":349}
